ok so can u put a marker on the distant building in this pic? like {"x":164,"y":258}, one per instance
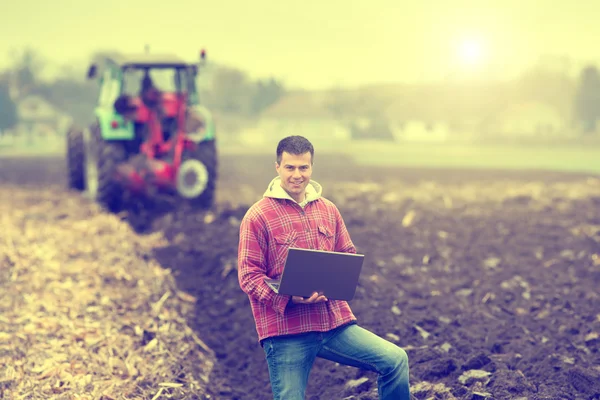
{"x":526,"y":120}
{"x":37,"y":117}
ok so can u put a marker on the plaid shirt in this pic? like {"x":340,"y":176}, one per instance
{"x":268,"y":229}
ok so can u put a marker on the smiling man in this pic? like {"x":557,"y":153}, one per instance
{"x":294,"y":171}
{"x":293,"y":330}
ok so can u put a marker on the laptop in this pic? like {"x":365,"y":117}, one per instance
{"x":307,"y":271}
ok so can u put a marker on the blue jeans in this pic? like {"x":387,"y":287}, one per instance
{"x":290,"y":359}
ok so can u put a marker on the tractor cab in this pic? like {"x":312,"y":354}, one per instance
{"x":147,"y":97}
{"x":156,"y":96}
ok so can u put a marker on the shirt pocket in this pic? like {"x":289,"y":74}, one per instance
{"x":283,"y":242}
{"x":326,"y":238}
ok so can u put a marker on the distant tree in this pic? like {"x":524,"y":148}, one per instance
{"x":363,"y":113}
{"x":230,"y":92}
{"x":587,"y":99}
{"x":342,"y":103}
{"x":266,"y":93}
{"x":8,"y":108}
{"x":27,"y":64}
{"x":550,"y":86}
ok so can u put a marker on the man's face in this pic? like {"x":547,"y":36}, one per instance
{"x":295,"y":171}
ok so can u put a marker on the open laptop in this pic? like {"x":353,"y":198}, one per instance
{"x":307,"y":271}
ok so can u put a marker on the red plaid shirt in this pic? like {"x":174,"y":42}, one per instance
{"x":267,"y":230}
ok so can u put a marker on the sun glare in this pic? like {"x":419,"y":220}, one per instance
{"x":470,"y":51}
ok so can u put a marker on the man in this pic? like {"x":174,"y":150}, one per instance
{"x":149,"y":94}
{"x":293,"y":331}
{"x":125,"y":106}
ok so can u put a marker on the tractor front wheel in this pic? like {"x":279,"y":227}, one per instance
{"x":102,"y":159}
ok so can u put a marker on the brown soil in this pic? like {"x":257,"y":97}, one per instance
{"x":490,"y":271}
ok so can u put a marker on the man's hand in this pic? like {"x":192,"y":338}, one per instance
{"x":315,"y":298}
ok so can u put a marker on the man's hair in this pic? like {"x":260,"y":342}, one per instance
{"x":295,"y":145}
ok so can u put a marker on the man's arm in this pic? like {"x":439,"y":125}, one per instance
{"x":252,"y":266}
{"x":343,"y":242}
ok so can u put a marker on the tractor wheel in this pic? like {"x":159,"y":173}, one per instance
{"x":102,"y":159}
{"x":197,"y":175}
{"x":76,"y":159}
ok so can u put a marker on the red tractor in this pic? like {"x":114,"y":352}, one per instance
{"x":150,"y":137}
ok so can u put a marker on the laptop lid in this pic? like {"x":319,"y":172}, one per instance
{"x":307,"y":271}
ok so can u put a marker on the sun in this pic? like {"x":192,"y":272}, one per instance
{"x":471,"y":51}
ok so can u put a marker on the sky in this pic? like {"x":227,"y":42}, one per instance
{"x":317,"y":44}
